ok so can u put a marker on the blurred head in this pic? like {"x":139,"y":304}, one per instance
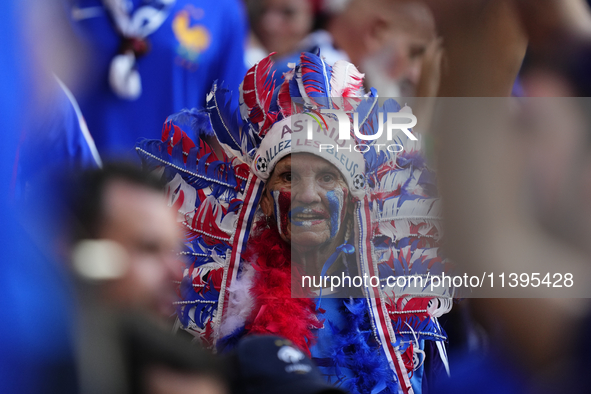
{"x":123,"y":205}
{"x":280,"y":25}
{"x":396,"y":67}
{"x":387,"y":39}
{"x":309,"y":199}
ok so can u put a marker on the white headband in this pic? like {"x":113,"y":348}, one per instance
{"x":290,"y":135}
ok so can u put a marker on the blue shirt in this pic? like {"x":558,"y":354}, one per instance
{"x":55,"y":140}
{"x":36,"y":354}
{"x":199,"y":42}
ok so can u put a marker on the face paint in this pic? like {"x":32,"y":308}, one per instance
{"x":282,"y":206}
{"x":336,"y":207}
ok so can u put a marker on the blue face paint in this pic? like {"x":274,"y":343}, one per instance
{"x":336,"y":200}
{"x":336,"y":207}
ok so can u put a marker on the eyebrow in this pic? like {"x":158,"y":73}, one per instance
{"x":324,"y":168}
{"x":282,"y":167}
{"x":329,"y":168}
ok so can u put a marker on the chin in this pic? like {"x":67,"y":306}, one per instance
{"x":309,"y":239}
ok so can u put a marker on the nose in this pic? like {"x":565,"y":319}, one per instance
{"x":271,"y":22}
{"x":413,"y":73}
{"x":306,"y":191}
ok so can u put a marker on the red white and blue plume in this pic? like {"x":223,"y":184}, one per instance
{"x":256,"y":93}
{"x":214,"y":160}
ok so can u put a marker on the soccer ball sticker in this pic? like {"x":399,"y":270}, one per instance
{"x":262,"y":164}
{"x":359,"y":181}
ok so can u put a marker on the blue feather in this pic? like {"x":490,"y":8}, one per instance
{"x":203,"y":311}
{"x":177,"y":155}
{"x":194,"y":120}
{"x":316,"y":76}
{"x":192,"y":159}
{"x":385,"y":271}
{"x":154,"y":154}
{"x":422,"y":328}
{"x":366,"y":110}
{"x":225,"y":122}
{"x":231,"y":340}
{"x":294,"y":89}
{"x":390,"y":105}
{"x":355,"y":350}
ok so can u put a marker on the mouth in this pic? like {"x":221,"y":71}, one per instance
{"x":307,"y":216}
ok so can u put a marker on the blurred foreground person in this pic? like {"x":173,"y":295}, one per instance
{"x":121,"y":212}
{"x":514,"y":177}
{"x":36,"y":345}
{"x":124,"y":259}
{"x":58,"y":127}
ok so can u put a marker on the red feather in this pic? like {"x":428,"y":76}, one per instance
{"x":275,"y":312}
{"x":166,"y":130}
{"x":284,"y":99}
{"x":204,"y":220}
{"x":269,"y":121}
{"x":178,"y":135}
{"x":256,"y":91}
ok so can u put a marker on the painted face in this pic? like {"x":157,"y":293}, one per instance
{"x":308,"y":198}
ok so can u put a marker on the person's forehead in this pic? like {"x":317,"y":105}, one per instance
{"x":134,"y":213}
{"x":124,"y":201}
{"x":291,"y":4}
{"x":301,"y":161}
{"x":414,"y":21}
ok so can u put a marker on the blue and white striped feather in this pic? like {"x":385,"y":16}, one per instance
{"x":314,"y":77}
{"x":230,"y":130}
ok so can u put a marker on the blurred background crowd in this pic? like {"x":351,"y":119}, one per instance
{"x":89,"y":258}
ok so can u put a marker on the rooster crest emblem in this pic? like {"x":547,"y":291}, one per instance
{"x":194,"y":39}
{"x":288,"y":354}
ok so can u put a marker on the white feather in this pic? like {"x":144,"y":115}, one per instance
{"x":189,"y":193}
{"x":228,"y":223}
{"x":240,"y":302}
{"x":344,"y":76}
{"x":395,"y":221}
{"x":244,"y":110}
{"x":301,"y":87}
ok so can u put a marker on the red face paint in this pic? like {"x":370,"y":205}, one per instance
{"x":282,"y":207}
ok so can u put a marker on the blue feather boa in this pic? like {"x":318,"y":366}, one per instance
{"x":354,"y":348}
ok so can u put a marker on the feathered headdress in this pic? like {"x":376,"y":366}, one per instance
{"x":216,"y":162}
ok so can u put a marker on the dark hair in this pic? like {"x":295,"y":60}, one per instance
{"x":88,"y":188}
